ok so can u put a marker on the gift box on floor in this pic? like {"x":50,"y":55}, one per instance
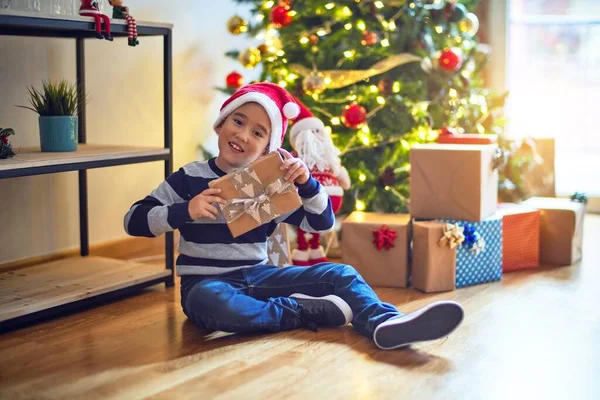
{"x":433,"y":267}
{"x":520,"y":236}
{"x":561,"y":229}
{"x":468,"y":138}
{"x":256,"y":194}
{"x":455,"y":181}
{"x":479,"y":256}
{"x":377,"y":246}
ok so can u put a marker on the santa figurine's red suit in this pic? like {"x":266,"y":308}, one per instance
{"x":314,"y":146}
{"x":90,"y":8}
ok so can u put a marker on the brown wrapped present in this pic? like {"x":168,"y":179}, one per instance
{"x":561,"y":229}
{"x":278,"y":247}
{"x":256,"y":194}
{"x":377,"y":246}
{"x":453,"y":181}
{"x":433,"y":259}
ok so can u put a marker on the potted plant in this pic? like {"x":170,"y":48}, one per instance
{"x":57,"y":107}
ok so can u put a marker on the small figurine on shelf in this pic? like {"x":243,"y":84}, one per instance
{"x":90,"y":8}
{"x":122,"y":12}
{"x":6,"y":150}
{"x":314,"y":146}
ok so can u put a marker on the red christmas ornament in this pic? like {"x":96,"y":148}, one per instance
{"x":383,"y":238}
{"x":450,"y":60}
{"x":4,"y":139}
{"x":281,"y":15}
{"x":369,"y":38}
{"x":354,"y":116}
{"x":234,"y":80}
{"x":447,"y":130}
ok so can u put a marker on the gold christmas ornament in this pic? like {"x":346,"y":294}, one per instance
{"x":313,"y":84}
{"x":337,"y":79}
{"x":469,"y":24}
{"x":250,"y":57}
{"x":237,"y":25}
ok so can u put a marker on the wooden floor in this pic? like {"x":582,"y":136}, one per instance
{"x":534,"y":335}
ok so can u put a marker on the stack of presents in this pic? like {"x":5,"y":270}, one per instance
{"x":457,"y":234}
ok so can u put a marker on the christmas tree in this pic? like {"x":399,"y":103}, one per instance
{"x":382,"y":75}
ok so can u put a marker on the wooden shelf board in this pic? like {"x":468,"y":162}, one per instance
{"x":33,"y":157}
{"x":41,"y":287}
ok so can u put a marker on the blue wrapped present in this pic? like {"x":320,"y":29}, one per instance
{"x":479,"y":255}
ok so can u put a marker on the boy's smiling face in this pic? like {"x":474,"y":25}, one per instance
{"x":243,"y":136}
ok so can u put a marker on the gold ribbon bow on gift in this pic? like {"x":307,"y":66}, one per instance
{"x":453,"y":236}
{"x":256,"y":197}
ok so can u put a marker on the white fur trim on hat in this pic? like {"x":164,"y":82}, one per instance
{"x":291,"y":110}
{"x":306,"y":123}
{"x":270,"y":107}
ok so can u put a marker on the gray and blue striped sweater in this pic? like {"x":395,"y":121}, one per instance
{"x":206,"y":246}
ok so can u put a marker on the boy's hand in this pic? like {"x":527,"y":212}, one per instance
{"x":200,"y":206}
{"x":297,"y":170}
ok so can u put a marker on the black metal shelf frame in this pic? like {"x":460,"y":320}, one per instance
{"x":80,"y":29}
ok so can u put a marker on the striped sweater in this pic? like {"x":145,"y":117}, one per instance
{"x":206,"y":246}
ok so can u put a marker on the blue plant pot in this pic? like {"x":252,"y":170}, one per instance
{"x":58,"y":133}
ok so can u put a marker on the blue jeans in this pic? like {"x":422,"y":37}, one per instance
{"x":256,"y":299}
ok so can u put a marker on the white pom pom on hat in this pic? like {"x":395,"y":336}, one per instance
{"x":291,"y":110}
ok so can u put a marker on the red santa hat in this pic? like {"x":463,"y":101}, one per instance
{"x":277,"y":102}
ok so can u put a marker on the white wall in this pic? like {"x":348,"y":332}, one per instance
{"x":39,"y":215}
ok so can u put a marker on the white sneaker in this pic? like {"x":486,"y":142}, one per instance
{"x":432,"y":322}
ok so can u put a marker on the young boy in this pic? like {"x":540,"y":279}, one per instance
{"x":225,"y":282}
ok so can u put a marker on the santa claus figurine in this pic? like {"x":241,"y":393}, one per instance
{"x":90,"y":8}
{"x":314,"y":146}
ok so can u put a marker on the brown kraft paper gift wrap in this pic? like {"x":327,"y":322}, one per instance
{"x":453,"y":181}
{"x":245,"y":189}
{"x":433,"y":266}
{"x":383,"y":267}
{"x":561,"y":229}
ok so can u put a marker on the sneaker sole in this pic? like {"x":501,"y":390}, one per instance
{"x":434,"y":322}
{"x":341,"y":304}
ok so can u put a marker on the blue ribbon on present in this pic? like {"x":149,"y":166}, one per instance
{"x":473,"y":239}
{"x":579,"y":197}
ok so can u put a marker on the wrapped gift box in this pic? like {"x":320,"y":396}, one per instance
{"x":468,"y":138}
{"x":479,"y":257}
{"x":454,"y":181}
{"x":433,"y":266}
{"x":520,"y":236}
{"x":256,"y":194}
{"x":561,"y":229}
{"x":377,"y":245}
{"x":278,"y":247}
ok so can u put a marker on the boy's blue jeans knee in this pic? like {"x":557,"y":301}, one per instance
{"x":257,"y":299}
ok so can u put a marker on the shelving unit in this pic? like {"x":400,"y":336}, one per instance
{"x":46,"y":290}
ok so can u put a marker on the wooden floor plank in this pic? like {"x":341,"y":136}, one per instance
{"x":535,"y":334}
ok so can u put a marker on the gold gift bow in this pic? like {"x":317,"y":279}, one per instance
{"x":453,"y":236}
{"x":235,"y":208}
{"x":336,"y":79}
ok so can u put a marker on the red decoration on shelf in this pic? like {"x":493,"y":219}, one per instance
{"x":281,"y":15}
{"x":234,"y":80}
{"x":354,"y":116}
{"x":383,"y":238}
{"x":450,"y":60}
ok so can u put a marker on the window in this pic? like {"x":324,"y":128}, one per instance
{"x":553,"y":75}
